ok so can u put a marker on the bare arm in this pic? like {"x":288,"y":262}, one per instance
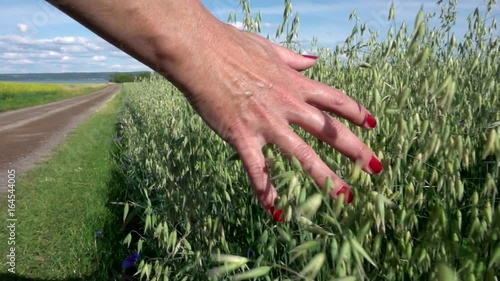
{"x":245,"y":88}
{"x":162,"y":34}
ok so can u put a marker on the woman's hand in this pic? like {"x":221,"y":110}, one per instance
{"x":247,"y":89}
{"x":250,"y":90}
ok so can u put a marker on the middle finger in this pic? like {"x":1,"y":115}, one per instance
{"x":333,"y":100}
{"x":337,"y":135}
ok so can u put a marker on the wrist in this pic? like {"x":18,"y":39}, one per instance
{"x":180,"y":46}
{"x":191,"y":64}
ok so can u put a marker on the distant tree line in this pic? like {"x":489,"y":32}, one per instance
{"x":128,"y":76}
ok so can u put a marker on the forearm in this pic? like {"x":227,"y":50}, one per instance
{"x":163,"y":34}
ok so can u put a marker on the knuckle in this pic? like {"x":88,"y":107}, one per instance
{"x":339,"y":99}
{"x":255,"y":169}
{"x":234,"y":134}
{"x":286,"y":99}
{"x":305,"y":154}
{"x":331,"y":128}
{"x":361,"y":150}
{"x":337,"y":129}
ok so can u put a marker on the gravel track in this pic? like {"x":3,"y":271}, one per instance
{"x":29,"y":135}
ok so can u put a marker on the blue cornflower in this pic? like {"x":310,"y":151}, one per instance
{"x":462,"y":123}
{"x":98,"y":233}
{"x":131,"y":260}
{"x":250,"y":253}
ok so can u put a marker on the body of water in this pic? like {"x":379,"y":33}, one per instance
{"x":61,"y":81}
{"x":62,"y":78}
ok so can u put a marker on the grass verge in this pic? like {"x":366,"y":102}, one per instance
{"x":63,"y":202}
{"x":20,"y":95}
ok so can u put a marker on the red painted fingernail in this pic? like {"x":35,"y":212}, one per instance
{"x":376,"y":165}
{"x":371,"y":121}
{"x":348,"y":196}
{"x":277,"y":216}
{"x":310,"y":57}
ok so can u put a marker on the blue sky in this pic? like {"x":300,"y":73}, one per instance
{"x":35,"y":37}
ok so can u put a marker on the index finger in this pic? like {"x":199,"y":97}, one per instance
{"x":334,"y":100}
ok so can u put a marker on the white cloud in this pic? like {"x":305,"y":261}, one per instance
{"x":69,"y":40}
{"x":63,"y":52}
{"x":16,"y":39}
{"x":73,"y":49}
{"x":99,"y":58}
{"x":343,"y":57}
{"x":22,"y":61}
{"x":22,"y":27}
{"x":127,"y":67}
{"x":10,"y":56}
{"x":270,"y":25}
{"x":238,"y":25}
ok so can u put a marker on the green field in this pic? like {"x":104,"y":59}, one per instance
{"x":20,"y":95}
{"x":433,"y":214}
{"x":64,"y":202}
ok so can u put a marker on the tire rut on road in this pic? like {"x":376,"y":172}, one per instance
{"x":28,"y":136}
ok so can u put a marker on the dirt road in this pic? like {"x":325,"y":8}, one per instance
{"x":29,"y":135}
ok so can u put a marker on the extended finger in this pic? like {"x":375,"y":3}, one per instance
{"x":293,"y":145}
{"x":289,"y":57}
{"x":294,"y":60}
{"x":337,"y":135}
{"x":333,"y":100}
{"x":258,"y":173}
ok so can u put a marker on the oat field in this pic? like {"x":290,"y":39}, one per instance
{"x":434,"y":214}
